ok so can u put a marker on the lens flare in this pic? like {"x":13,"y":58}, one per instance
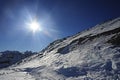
{"x":34,"y":26}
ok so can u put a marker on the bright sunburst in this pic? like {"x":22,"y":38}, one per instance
{"x":34,"y":26}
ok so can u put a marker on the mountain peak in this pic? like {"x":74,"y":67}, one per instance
{"x":92,"y":54}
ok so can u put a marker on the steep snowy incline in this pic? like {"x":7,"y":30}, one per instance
{"x":93,"y":54}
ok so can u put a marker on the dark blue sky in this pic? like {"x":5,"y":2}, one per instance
{"x":59,"y":18}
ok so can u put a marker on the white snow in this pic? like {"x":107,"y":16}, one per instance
{"x":86,"y":61}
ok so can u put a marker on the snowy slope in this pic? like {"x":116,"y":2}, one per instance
{"x":93,"y":54}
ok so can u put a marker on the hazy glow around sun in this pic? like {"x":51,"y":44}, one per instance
{"x":34,"y":26}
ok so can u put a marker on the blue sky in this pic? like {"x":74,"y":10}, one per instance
{"x":58,"y":18}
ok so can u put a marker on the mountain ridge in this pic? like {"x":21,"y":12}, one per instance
{"x":93,"y":54}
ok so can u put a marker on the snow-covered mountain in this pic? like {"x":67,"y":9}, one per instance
{"x":8,"y":58}
{"x":93,"y":54}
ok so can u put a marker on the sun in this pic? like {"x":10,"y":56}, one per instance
{"x":34,"y":26}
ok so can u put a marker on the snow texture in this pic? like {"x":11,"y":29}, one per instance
{"x":93,"y":54}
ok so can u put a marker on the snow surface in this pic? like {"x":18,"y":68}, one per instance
{"x":88,"y":55}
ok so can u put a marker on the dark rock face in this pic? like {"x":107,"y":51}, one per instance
{"x":115,"y":40}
